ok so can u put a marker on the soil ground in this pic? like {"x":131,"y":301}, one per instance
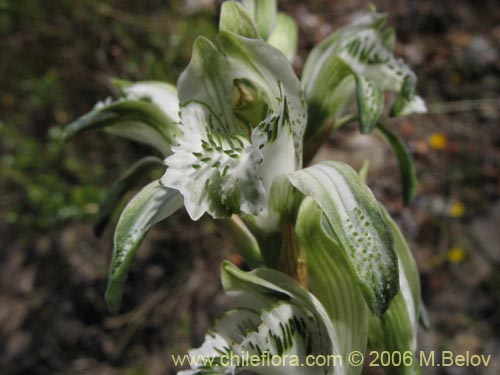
{"x":53,"y":269}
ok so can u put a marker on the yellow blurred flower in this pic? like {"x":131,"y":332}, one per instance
{"x":438,"y":141}
{"x":457,"y":210}
{"x":456,"y":255}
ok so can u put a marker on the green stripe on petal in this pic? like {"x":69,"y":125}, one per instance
{"x":230,"y":328}
{"x":332,"y":283}
{"x":328,"y":97}
{"x":396,"y":330}
{"x":216,"y":172}
{"x":370,"y":104}
{"x":357,"y":226}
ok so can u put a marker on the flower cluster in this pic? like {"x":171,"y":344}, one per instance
{"x":233,"y":138}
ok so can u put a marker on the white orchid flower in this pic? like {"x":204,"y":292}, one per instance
{"x":232,"y":141}
{"x":357,"y":62}
{"x":242,"y":120}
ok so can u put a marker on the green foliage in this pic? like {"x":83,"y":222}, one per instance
{"x":36,"y":195}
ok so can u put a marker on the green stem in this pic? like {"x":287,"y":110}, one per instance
{"x":243,"y":240}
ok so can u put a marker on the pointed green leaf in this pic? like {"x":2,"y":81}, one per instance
{"x":113,"y":196}
{"x":263,"y":12}
{"x":332,"y":283}
{"x":396,"y":330}
{"x":285,"y":35}
{"x":357,"y":227}
{"x":370,"y":104}
{"x":405,"y":161}
{"x":151,"y":205}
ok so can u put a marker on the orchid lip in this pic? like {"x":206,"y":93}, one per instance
{"x":228,"y":172}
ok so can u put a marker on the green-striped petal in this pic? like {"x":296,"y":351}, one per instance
{"x":137,"y":120}
{"x":215,"y":172}
{"x":273,"y":314}
{"x":396,"y":330}
{"x":370,"y":103}
{"x":278,"y":29}
{"x":361,"y":52}
{"x":331,"y":281}
{"x":147,"y":112}
{"x":357,"y":226}
{"x":151,"y":205}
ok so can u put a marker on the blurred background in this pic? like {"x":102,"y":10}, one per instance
{"x":55,"y":62}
